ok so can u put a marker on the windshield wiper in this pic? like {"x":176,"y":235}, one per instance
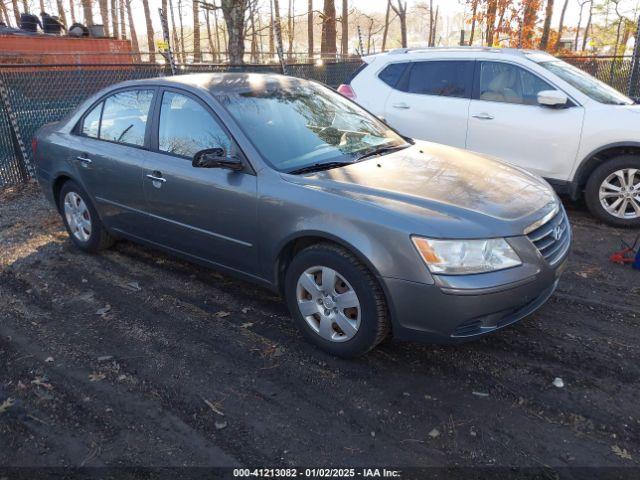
{"x":318,"y":167}
{"x":381,"y":151}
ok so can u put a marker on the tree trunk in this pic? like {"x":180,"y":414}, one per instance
{"x":575,"y":42}
{"x":182,"y":49}
{"x":5,"y":14}
{"x":344,"y":40}
{"x":61,"y":13}
{"x":114,"y":18}
{"x":430,"y":24}
{"x":42,"y":9}
{"x":474,"y":14}
{"x":546,"y":29}
{"x":217,"y":30}
{"x":123,"y":29}
{"x":328,"y":43}
{"x":310,"y":28}
{"x":385,"y":32}
{"x":233,"y":11}
{"x":587,"y":28}
{"x":72,"y":11}
{"x":561,"y":26}
{"x":435,"y":26}
{"x":104,"y":15}
{"x":176,"y":46}
{"x":16,"y":12}
{"x":492,"y":7}
{"x":207,"y":19}
{"x":529,"y":22}
{"x":150,"y":43}
{"x":290,"y":29}
{"x":132,"y":31}
{"x":87,"y":11}
{"x":197,"y":52}
{"x":401,"y":12}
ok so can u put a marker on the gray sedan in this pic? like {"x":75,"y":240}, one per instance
{"x":286,"y":183}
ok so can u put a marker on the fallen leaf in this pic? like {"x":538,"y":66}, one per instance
{"x":621,"y":452}
{"x":133,"y":286}
{"x":220,"y":425}
{"x":435,"y":433}
{"x":213,"y":407}
{"x":245,"y":310}
{"x":246,"y":325}
{"x":96,"y":377}
{"x":557,"y":382}
{"x":104,"y":310}
{"x":49,"y":360}
{"x":6,"y":405}
{"x":222,"y":314}
{"x":42,"y":382}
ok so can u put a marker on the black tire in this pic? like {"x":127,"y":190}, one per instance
{"x":374,"y":318}
{"x":596,"y":179}
{"x":99,"y":238}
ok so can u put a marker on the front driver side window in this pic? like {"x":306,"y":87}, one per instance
{"x":186,"y":127}
{"x":506,"y":83}
{"x":124,"y":118}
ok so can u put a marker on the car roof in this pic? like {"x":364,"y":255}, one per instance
{"x":220,"y":83}
{"x":464,"y":52}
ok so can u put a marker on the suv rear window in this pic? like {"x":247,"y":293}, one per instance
{"x":392,"y":73}
{"x":441,"y":78}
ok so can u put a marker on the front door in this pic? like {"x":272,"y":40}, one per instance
{"x":209,"y":213}
{"x":506,"y":121}
{"x":431,"y":101}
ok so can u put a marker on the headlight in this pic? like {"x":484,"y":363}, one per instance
{"x":463,"y":257}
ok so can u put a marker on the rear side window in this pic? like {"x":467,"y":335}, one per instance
{"x":124,"y":118}
{"x":91,"y":122}
{"x":441,"y":78}
{"x":392,"y":73}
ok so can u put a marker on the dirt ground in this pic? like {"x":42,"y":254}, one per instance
{"x":131,"y":357}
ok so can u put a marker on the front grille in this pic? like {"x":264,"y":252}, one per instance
{"x":552,"y":239}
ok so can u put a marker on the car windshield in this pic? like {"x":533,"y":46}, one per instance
{"x":590,"y":86}
{"x":296,"y":124}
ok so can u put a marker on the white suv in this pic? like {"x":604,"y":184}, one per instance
{"x":525,"y":107}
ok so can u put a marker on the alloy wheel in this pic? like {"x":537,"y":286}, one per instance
{"x":620,"y":193}
{"x":78,"y":216}
{"x":328,"y":303}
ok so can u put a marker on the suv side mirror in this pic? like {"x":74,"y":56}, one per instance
{"x":216,"y":158}
{"x":552,"y":98}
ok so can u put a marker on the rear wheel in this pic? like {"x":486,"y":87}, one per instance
{"x":613,"y":192}
{"x":336,"y":301}
{"x":81,"y":219}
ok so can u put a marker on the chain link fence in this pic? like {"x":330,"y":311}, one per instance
{"x":33,"y":95}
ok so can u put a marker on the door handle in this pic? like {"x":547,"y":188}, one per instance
{"x":483,"y":116}
{"x":156,"y":179}
{"x":400,"y":105}
{"x":85,"y":160}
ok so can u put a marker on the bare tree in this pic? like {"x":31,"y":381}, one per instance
{"x":561,"y":26}
{"x":72,"y":11}
{"x":344,"y":39}
{"x":212,"y":48}
{"x":114,"y":18}
{"x":546,"y":29}
{"x":61,"y":13}
{"x":181,"y":31}
{"x":387,"y":21}
{"x":104,"y":15}
{"x":123,"y":29}
{"x":310,"y":28}
{"x":234,"y":16}
{"x":429,"y":39}
{"x":582,"y":4}
{"x":328,"y":42}
{"x":401,"y":11}
{"x":492,"y":8}
{"x":87,"y":11}
{"x":474,"y":19}
{"x":197,"y":52}
{"x":132,"y":29}
{"x":587,"y":28}
{"x":150,"y":43}
{"x":16,"y":11}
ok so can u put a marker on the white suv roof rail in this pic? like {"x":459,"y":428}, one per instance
{"x":397,"y":51}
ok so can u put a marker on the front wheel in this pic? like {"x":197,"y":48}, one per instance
{"x":336,"y":301}
{"x":613,"y":192}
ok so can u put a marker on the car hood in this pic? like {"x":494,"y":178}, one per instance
{"x":438,"y":181}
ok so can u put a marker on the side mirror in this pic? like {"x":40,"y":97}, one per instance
{"x":552,"y":98}
{"x":216,"y":158}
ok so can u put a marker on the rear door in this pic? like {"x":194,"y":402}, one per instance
{"x":431,"y":101}
{"x":506,"y":121}
{"x":209,"y":213}
{"x":109,"y":150}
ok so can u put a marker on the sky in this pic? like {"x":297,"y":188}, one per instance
{"x":448,"y":8}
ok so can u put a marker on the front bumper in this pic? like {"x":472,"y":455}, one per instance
{"x":457,"y":309}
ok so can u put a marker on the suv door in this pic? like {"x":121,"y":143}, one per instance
{"x":109,"y":146}
{"x":431,"y":101}
{"x":506,"y":121}
{"x":208,"y":213}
